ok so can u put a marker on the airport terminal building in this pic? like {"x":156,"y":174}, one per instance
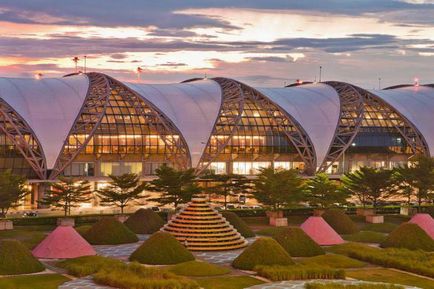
{"x":92,"y":125}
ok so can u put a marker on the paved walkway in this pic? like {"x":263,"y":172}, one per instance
{"x":222,"y":257}
{"x":300,"y":284}
{"x":119,"y":251}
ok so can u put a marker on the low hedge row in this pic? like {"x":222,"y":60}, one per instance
{"x":298,"y":272}
{"x":419,"y":262}
{"x":87,"y":265}
{"x":335,"y":285}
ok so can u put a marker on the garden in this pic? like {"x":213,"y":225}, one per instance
{"x":325,"y":245}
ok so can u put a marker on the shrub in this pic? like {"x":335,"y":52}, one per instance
{"x":366,"y":237}
{"x":83,"y":229}
{"x":238,"y":224}
{"x":333,"y":261}
{"x":380,"y":228}
{"x":335,"y":285}
{"x":109,"y":231}
{"x":264,"y":251}
{"x":271,"y":231}
{"x":297,"y":243}
{"x":198,"y":268}
{"x":161,"y":249}
{"x":298,"y":272}
{"x":409,"y":236}
{"x":144,"y":221}
{"x":137,"y":276}
{"x":339,"y":221}
{"x":419,"y":262}
{"x":86,"y":265}
{"x":15,"y":258}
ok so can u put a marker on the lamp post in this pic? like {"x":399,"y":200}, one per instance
{"x":138,"y":70}
{"x":76,"y":59}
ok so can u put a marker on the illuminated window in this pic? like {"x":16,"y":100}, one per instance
{"x":248,"y":168}
{"x":119,"y":168}
{"x":79,"y":169}
{"x":218,"y":167}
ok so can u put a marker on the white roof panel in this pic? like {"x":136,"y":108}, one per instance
{"x":417,"y":105}
{"x":315,"y":107}
{"x":193,"y":107}
{"x":49,"y":106}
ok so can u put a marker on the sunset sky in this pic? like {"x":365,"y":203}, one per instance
{"x":263,"y":43}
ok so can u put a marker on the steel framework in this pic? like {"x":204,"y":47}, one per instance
{"x":16,"y":129}
{"x":350,"y":120}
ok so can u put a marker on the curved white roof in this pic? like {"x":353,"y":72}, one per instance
{"x":315,"y":107}
{"x":49,"y":106}
{"x":193,"y":108}
{"x":417,"y":105}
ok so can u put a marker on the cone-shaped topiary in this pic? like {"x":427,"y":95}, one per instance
{"x":297,"y":243}
{"x":340,"y":222}
{"x":264,"y":251}
{"x":161,"y":249}
{"x":15,"y":258}
{"x":109,"y":231}
{"x":238,"y":224}
{"x":144,"y":221}
{"x":409,"y":236}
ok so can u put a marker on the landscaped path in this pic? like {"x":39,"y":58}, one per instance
{"x":82,"y":283}
{"x":222,"y":257}
{"x":120,"y":251}
{"x":300,"y":284}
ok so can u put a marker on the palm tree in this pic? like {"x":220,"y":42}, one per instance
{"x":324,"y":193}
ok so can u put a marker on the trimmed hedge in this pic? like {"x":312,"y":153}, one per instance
{"x":161,"y":249}
{"x":264,"y":251}
{"x":419,"y":262}
{"x":335,"y":285}
{"x":238,"y":224}
{"x":137,"y":276}
{"x":340,"y":222}
{"x":198,"y":268}
{"x":298,"y":272}
{"x":144,"y":221}
{"x":83,"y":229}
{"x":109,"y":231}
{"x":86,"y":265}
{"x":15,"y":258}
{"x":297,"y":243}
{"x":409,"y":236}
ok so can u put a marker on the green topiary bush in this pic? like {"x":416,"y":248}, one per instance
{"x":340,"y":222}
{"x":109,"y":231}
{"x":161,"y":249}
{"x":198,"y":268}
{"x":409,"y":236}
{"x":144,"y":221}
{"x":238,"y":224}
{"x":298,"y":272}
{"x":264,"y":251}
{"x":332,"y":260}
{"x":86,"y":265}
{"x":297,"y":243}
{"x":15,"y":258}
{"x":83,"y":229}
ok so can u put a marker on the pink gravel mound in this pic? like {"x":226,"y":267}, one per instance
{"x":425,"y":222}
{"x":321,"y":232}
{"x":63,"y":243}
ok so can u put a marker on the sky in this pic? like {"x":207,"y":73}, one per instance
{"x":261,"y":43}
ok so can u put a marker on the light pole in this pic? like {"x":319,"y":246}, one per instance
{"x":379,"y":83}
{"x":84,"y":68}
{"x":139,"y":70}
{"x":76,"y":59}
{"x":320,"y":73}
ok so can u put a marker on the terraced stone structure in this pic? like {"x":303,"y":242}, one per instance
{"x":201,"y":228}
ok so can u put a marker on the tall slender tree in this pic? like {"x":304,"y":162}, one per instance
{"x":278,"y":188}
{"x":121,"y":190}
{"x":369,"y":185}
{"x":67,"y":194}
{"x":176,"y":186}
{"x":228,"y":185}
{"x":322,"y":192}
{"x":12,"y":190}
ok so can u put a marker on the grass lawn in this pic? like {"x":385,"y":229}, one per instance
{"x":196,"y":268}
{"x":333,"y":261}
{"x":86,"y":265}
{"x":233,"y":282}
{"x":30,"y":236}
{"x":380,"y":228}
{"x":366,"y":237}
{"x":390,"y":276}
{"x":42,"y":281}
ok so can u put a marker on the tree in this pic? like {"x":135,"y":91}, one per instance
{"x":121,"y":190}
{"x":368,"y":184}
{"x":321,"y":192}
{"x":12,"y":190}
{"x":419,"y":176}
{"x":67,"y":194}
{"x":278,"y":188}
{"x":177,"y":186}
{"x":227,"y":185}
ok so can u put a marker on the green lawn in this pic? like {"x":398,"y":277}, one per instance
{"x":197,"y":268}
{"x":390,"y":276}
{"x":30,"y":236}
{"x":366,"y":237}
{"x":42,"y":281}
{"x":380,"y":228}
{"x":333,"y":261}
{"x":233,"y":282}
